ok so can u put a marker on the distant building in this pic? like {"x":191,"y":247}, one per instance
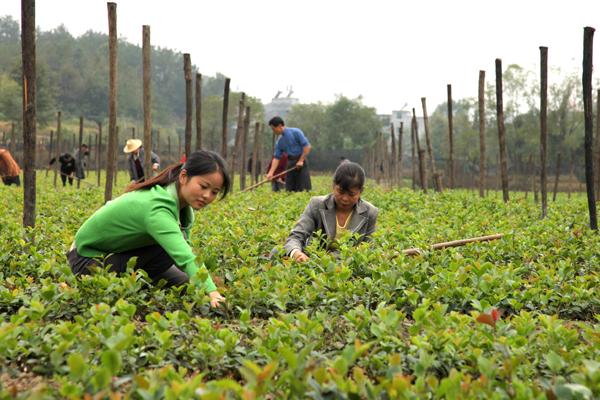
{"x":280,"y":106}
{"x":396,"y":117}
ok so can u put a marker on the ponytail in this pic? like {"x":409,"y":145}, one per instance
{"x":201,"y":162}
{"x":165,"y":178}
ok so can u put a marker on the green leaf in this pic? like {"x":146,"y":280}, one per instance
{"x":111,"y":359}
{"x":554,"y":361}
{"x":76,"y":365}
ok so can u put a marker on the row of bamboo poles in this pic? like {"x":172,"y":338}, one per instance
{"x":243,"y":122}
{"x":423,"y":162}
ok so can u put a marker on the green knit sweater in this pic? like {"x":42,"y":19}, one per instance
{"x":138,"y":219}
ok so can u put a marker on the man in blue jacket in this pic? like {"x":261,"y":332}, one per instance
{"x":293,"y":142}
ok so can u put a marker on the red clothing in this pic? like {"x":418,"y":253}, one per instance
{"x":280,"y":167}
{"x":8,"y":165}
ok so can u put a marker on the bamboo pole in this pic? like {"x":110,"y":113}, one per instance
{"x":386,"y":159}
{"x":243,"y":145}
{"x":268,"y":180}
{"x":454,"y":243}
{"x":224,"y":120}
{"x":420,"y":154}
{"x":399,"y":162}
{"x":198,"y":111}
{"x":58,"y":147}
{"x":556,"y":177}
{"x":112,"y":101}
{"x":588,"y":50}
{"x":437,"y":181}
{"x":482,"y":134}
{"x":597,"y":170}
{"x":98,"y":153}
{"x":147,"y":103}
{"x":80,"y":155}
{"x":50,"y":150}
{"x":255,"y":155}
{"x":450,"y":137}
{"x":543,"y":127}
{"x":392,"y":166}
{"x":28,"y":53}
{"x":413,"y":154}
{"x":238,"y":137}
{"x":187,"y":68}
{"x":501,"y":139}
{"x":117,"y":155}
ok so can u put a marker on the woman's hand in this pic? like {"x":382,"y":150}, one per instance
{"x":216,"y":298}
{"x":300,"y":256}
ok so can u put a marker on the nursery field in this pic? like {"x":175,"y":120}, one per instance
{"x":517,"y":318}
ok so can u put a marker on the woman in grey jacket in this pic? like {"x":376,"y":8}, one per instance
{"x":340,"y":213}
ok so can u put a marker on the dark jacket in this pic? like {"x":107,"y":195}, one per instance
{"x":319,"y":215}
{"x":67,"y":163}
{"x":133,"y":174}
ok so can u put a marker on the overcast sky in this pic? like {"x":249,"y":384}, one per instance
{"x":390,"y":52}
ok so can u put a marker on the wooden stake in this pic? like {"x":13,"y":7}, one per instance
{"x":98,"y":153}
{"x":413,"y":154}
{"x":50,"y":150}
{"x":588,"y":50}
{"x":420,"y":154}
{"x":198,"y":111}
{"x":147,"y":88}
{"x":255,"y":156}
{"x":224,"y":121}
{"x":80,"y":155}
{"x":238,"y":137}
{"x":187,"y":68}
{"x":482,"y":134}
{"x":597,"y":168}
{"x":450,"y":138}
{"x":28,"y":53}
{"x":400,"y":132}
{"x":392,"y":166}
{"x":58,"y":147}
{"x":111,"y":152}
{"x":543,"y":126}
{"x":437,"y":181}
{"x":501,"y":140}
{"x":243,"y":146}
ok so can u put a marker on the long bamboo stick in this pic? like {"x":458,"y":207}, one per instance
{"x":454,"y":243}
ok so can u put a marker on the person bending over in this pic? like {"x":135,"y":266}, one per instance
{"x":340,"y":213}
{"x":152,"y":221}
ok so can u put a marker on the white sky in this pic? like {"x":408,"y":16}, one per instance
{"x":390,"y":52}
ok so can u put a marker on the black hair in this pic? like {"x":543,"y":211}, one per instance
{"x":276,"y":121}
{"x":349,"y":175}
{"x":201,"y":162}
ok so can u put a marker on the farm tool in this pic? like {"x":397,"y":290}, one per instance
{"x":454,"y":243}
{"x":268,"y":180}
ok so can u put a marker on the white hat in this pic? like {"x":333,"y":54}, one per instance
{"x":132,"y":145}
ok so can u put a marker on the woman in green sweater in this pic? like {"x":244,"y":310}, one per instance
{"x":152,"y":221}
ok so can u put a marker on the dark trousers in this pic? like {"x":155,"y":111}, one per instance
{"x":64,"y":177}
{"x":11,"y":180}
{"x":152,"y":259}
{"x":298,"y":179}
{"x":277,"y":186}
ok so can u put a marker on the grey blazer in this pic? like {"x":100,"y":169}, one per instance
{"x":319,"y":215}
